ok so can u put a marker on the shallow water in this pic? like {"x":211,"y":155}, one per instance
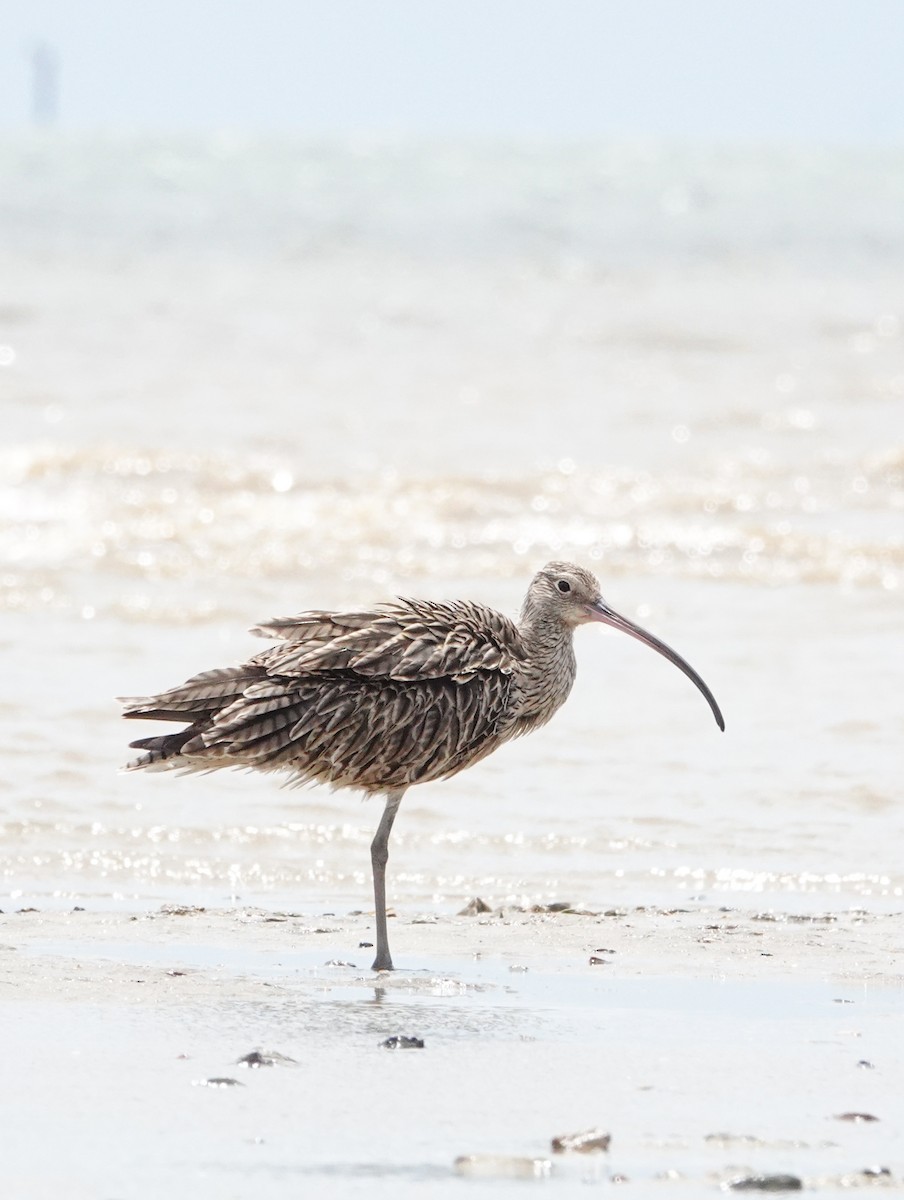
{"x":239,"y":380}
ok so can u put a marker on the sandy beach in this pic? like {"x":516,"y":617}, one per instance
{"x":711,"y":1044}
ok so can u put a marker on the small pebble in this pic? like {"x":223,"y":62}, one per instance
{"x":400,"y":1042}
{"x":587,"y":1142}
{"x":856,"y":1117}
{"x":265,"y":1058}
{"x":764,"y":1183}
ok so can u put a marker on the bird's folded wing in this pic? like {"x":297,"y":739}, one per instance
{"x":405,"y":640}
{"x":202,"y":693}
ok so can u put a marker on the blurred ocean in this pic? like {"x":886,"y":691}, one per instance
{"x":243,"y":378}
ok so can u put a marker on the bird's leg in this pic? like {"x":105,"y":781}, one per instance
{"x":379,"y":855}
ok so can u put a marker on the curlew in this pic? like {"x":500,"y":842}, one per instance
{"x":383,"y":698}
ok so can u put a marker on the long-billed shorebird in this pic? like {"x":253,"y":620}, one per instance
{"x":380,"y":699}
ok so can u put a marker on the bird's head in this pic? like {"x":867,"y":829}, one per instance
{"x":569,"y":595}
{"x":564,"y":593}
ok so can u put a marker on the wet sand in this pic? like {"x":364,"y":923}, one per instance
{"x":711,"y":1044}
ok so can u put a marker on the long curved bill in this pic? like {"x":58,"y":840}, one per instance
{"x":600,"y":611}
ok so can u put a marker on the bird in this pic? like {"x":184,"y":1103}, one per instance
{"x":380,"y":699}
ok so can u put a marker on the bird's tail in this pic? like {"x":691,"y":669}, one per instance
{"x":194,"y":703}
{"x":161,"y":753}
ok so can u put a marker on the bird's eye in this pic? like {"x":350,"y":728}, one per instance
{"x":564,"y":586}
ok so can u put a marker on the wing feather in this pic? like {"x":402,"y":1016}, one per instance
{"x":206,"y":692}
{"x":407,"y":640}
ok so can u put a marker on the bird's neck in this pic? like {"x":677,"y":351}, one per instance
{"x":549,"y":669}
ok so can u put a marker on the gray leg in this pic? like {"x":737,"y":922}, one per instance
{"x":379,"y":854}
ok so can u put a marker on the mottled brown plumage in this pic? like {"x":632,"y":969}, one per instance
{"x":381,"y":699}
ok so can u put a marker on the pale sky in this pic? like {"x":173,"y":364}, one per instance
{"x":824,"y":71}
